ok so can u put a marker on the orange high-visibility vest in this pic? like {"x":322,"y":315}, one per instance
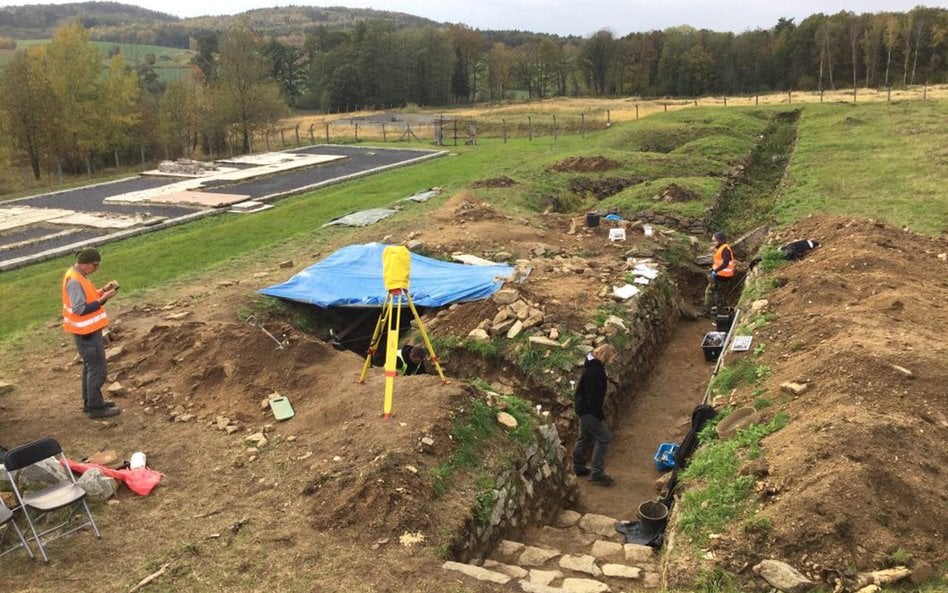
{"x":82,"y":324}
{"x":719,"y":259}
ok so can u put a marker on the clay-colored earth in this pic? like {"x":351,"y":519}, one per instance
{"x":858,"y":473}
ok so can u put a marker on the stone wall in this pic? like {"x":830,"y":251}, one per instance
{"x":531,"y":493}
{"x":541,"y":484}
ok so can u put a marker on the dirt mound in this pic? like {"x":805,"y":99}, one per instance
{"x":585,"y":164}
{"x":675,"y":193}
{"x":465,"y":207}
{"x":601,"y":188}
{"x":859,"y":472}
{"x":223,"y":371}
{"x":502,"y":181}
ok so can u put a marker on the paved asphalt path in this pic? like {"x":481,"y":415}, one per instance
{"x":90,"y":199}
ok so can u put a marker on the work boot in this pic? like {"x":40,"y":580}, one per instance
{"x":581,"y":471}
{"x":602,"y":480}
{"x":102,"y":412}
{"x":106,"y":403}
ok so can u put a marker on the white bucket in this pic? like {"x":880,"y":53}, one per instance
{"x":647,"y":229}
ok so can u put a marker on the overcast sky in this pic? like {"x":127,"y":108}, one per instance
{"x":565,"y":17}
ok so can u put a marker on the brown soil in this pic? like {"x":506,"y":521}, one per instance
{"x":326,"y":504}
{"x":676,"y":193}
{"x":859,"y":472}
{"x":601,"y":188}
{"x":502,"y":181}
{"x":585,"y":164}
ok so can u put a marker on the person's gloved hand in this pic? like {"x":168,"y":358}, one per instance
{"x":714,"y":275}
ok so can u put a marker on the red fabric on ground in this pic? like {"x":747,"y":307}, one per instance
{"x":140,"y":481}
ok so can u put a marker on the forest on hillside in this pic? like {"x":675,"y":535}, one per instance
{"x":67,"y":107}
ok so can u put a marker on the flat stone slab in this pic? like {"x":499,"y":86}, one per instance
{"x":605,"y":549}
{"x":510,"y":570}
{"x":622,"y":571}
{"x":599,"y":524}
{"x":476,"y":572}
{"x":12,"y":217}
{"x":198,"y":198}
{"x":568,"y":518}
{"x":637,"y":553}
{"x":584,"y":586}
{"x":580,"y":563}
{"x":544,"y":577}
{"x":533,"y":556}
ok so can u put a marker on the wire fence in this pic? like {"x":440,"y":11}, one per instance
{"x":467,"y":127}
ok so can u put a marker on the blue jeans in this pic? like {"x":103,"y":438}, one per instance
{"x":592,"y":433}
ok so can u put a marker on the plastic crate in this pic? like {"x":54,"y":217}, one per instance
{"x":712,"y":345}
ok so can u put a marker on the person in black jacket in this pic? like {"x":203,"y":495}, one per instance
{"x":590,"y":396}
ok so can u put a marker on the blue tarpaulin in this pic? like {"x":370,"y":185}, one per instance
{"x":352,"y":276}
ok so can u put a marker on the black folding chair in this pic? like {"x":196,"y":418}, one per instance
{"x":52,"y":498}
{"x":6,"y":518}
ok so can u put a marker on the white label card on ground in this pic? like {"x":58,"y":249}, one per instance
{"x":741,"y":343}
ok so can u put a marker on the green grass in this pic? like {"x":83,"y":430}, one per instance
{"x":743,"y":371}
{"x":715,"y":493}
{"x":882,"y":161}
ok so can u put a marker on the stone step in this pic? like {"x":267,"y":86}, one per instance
{"x":578,"y":554}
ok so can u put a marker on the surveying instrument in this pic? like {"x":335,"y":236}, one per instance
{"x":396,"y":269}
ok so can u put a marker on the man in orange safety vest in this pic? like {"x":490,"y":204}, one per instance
{"x":721,"y":274}
{"x":84,"y":317}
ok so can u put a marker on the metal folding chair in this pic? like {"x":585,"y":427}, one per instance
{"x":52,"y":498}
{"x":6,"y":518}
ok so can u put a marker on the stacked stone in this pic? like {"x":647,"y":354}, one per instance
{"x":598,"y":560}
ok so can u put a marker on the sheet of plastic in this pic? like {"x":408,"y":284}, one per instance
{"x":140,"y":481}
{"x":352,"y":277}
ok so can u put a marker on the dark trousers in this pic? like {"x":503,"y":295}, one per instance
{"x":94,"y":370}
{"x":592,"y":434}
{"x":715,"y":295}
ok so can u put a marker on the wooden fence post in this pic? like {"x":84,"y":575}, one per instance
{"x":530,"y":126}
{"x":357,"y":132}
{"x":725,"y":100}
{"x":789,"y":96}
{"x":327,"y":133}
{"x":696,"y":102}
{"x":504,"y":121}
{"x":383,"y":132}
{"x":282,"y":138}
{"x":666,"y":107}
{"x":554,"y":127}
{"x":636,"y":111}
{"x":888,"y":95}
{"x":608,"y":117}
{"x":821,"y":95}
{"x":297,"y":134}
{"x":756,"y":99}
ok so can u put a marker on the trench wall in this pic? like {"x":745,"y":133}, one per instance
{"x":539,"y":482}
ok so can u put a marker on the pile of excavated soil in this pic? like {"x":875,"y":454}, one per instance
{"x":859,"y":472}
{"x":502,"y":181}
{"x":601,"y":188}
{"x":585,"y":164}
{"x":675,"y":193}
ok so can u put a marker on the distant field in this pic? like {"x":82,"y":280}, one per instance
{"x":170,"y":63}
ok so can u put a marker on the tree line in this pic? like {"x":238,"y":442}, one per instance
{"x":65,"y":107}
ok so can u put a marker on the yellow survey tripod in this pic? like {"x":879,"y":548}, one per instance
{"x":396,"y":269}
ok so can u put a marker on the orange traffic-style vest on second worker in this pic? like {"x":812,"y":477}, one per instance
{"x":727,"y":272}
{"x":82,"y":324}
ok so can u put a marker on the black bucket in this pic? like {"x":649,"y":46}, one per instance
{"x":723,"y":321}
{"x":652,"y":516}
{"x":592,"y":219}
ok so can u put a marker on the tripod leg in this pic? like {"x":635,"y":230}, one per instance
{"x":424,"y":336}
{"x":391,"y":350}
{"x":374,"y":344}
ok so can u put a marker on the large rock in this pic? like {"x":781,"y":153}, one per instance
{"x":544,"y":577}
{"x":599,"y":524}
{"x":781,"y":575}
{"x":510,"y":570}
{"x":533,"y":556}
{"x":478,"y":335}
{"x":506,"y":296}
{"x":622,"y":571}
{"x":5,"y":388}
{"x":97,"y":486}
{"x":638,"y":554}
{"x":606,"y":549}
{"x":476,"y":572}
{"x":44,"y":472}
{"x":580,"y":563}
{"x":584,"y":586}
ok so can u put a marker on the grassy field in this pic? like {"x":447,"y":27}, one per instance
{"x":170,"y":63}
{"x":876,"y":160}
